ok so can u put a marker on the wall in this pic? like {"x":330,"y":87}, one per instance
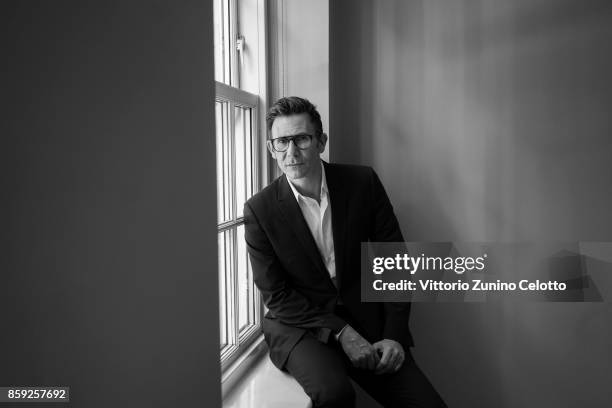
{"x":487,"y":121}
{"x":300,"y":53}
{"x":108,"y":275}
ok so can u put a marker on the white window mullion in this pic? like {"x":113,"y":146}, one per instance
{"x":232,"y":324}
{"x":227,"y":162}
{"x":240,"y":162}
{"x":253,"y":164}
{"x":232,"y":159}
{"x":232,"y":336}
{"x":234,"y":285}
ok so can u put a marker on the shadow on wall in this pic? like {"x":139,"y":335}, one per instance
{"x":487,"y":120}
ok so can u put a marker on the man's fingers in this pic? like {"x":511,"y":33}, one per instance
{"x":392,"y":357}
{"x":393,"y":360}
{"x":368,"y":362}
{"x":386,"y":357}
{"x":399,"y":362}
{"x":367,"y":359}
{"x":395,"y":363}
{"x":365,"y":355}
{"x":386,"y":363}
{"x":373,"y":359}
{"x":377,"y":357}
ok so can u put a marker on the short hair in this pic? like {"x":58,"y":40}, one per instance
{"x":293,"y":105}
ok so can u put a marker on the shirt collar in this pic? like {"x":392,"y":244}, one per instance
{"x":324,"y":190}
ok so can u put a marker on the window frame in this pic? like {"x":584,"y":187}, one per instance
{"x":239,"y":341}
{"x":235,"y":360}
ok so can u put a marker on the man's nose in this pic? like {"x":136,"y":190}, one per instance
{"x":292,"y":149}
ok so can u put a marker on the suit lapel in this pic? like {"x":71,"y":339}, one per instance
{"x":339,"y":203}
{"x":292,"y":213}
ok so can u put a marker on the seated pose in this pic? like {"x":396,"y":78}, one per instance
{"x":304,"y":234}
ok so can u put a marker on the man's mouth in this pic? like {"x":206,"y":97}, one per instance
{"x":293,"y":164}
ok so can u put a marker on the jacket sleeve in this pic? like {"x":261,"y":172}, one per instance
{"x":385,"y":228}
{"x":284,"y":302}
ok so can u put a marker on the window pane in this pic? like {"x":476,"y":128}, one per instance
{"x":221,"y":40}
{"x":224,"y":199}
{"x":222,"y":291}
{"x":245,"y":287}
{"x":244,"y":154}
{"x":249,"y":59}
{"x":237,"y":166}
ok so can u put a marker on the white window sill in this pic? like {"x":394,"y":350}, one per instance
{"x":254,"y":382}
{"x":260,"y":384}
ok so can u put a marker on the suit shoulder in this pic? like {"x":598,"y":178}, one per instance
{"x":353,"y":168}
{"x":351,"y":171}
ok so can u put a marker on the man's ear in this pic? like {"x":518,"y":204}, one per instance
{"x":322,"y":142}
{"x":270,"y":149}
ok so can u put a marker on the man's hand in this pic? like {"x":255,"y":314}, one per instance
{"x":392,"y":356}
{"x":361,"y":353}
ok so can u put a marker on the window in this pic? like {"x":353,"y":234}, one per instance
{"x":240,"y":85}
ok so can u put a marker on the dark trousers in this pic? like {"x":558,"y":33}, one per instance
{"x":323,"y":370}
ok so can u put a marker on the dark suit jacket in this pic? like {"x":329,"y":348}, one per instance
{"x":290,"y":273}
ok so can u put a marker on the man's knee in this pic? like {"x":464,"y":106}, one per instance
{"x":336,"y":393}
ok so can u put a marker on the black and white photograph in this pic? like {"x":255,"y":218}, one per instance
{"x":306,"y":203}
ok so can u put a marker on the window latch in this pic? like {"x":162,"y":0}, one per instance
{"x":240,"y":44}
{"x":240,"y":49}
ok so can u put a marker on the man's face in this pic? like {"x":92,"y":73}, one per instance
{"x":297,"y":163}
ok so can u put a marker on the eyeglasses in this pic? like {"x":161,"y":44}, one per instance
{"x":281,"y":144}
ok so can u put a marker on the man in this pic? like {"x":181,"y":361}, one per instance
{"x":304,"y":233}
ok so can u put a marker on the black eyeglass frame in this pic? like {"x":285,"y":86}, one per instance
{"x":290,"y":139}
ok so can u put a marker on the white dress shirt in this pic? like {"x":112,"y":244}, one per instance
{"x":319,"y":220}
